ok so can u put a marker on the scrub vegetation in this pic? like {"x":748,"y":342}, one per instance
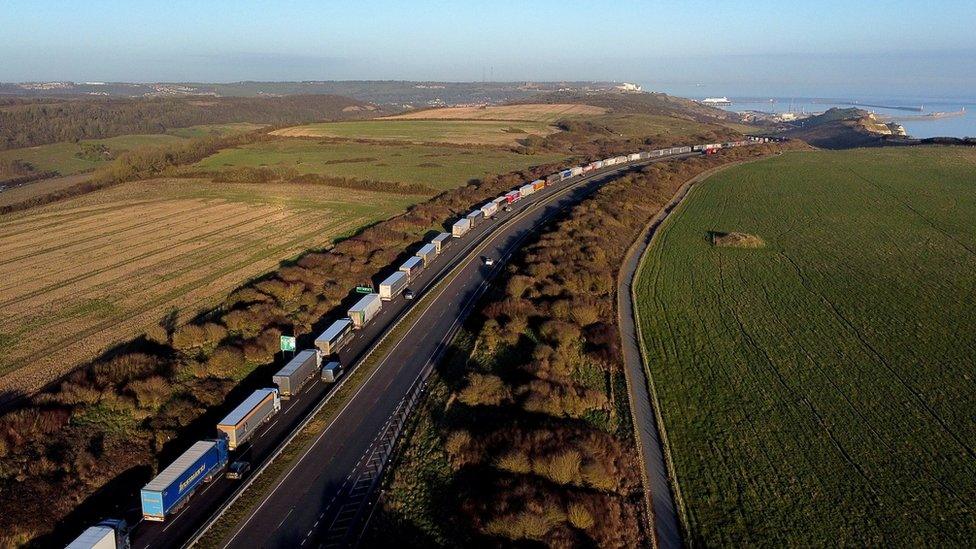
{"x":821,"y":387}
{"x":526,"y":434}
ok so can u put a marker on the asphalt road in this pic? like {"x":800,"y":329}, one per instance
{"x":309,"y":489}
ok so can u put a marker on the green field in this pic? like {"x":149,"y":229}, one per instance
{"x":463,"y":132}
{"x":438,"y":167}
{"x":217,"y":130}
{"x":821,"y":390}
{"x":63,"y":157}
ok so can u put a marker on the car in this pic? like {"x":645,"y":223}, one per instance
{"x":489,"y":261}
{"x":508,"y":208}
{"x":408,"y":294}
{"x":238,"y":469}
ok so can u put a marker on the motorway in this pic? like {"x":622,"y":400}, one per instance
{"x":289,"y":513}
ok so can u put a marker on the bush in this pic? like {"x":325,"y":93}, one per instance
{"x":484,"y":390}
{"x":151,"y":392}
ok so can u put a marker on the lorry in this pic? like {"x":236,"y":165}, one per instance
{"x":427,"y":253}
{"x":243,"y":421}
{"x":412,"y":267}
{"x":171,"y":488}
{"x":461,"y":227}
{"x":513,"y":196}
{"x":475,"y":217}
{"x":489,"y":209}
{"x":539,"y":184}
{"x":393,"y":285}
{"x":335,"y":336}
{"x":366,"y":308}
{"x":440,"y":241}
{"x":108,"y":534}
{"x":526,"y":190}
{"x":299,"y":369}
{"x":331,"y":371}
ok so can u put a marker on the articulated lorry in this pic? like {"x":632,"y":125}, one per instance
{"x":108,"y":534}
{"x":241,"y":424}
{"x":171,"y":488}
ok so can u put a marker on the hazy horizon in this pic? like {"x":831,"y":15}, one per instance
{"x":733,"y":49}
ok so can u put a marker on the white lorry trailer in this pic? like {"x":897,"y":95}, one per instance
{"x":241,"y":424}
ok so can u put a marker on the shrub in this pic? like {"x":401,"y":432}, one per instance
{"x":579,"y":516}
{"x":484,"y":390}
{"x":151,"y":392}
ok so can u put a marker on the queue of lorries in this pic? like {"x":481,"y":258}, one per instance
{"x":206,"y":460}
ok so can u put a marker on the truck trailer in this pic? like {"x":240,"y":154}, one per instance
{"x":633,"y":156}
{"x":331,"y":371}
{"x":243,"y":421}
{"x":539,"y":184}
{"x":299,"y":369}
{"x":393,"y":285}
{"x":552,"y":179}
{"x":526,"y":190}
{"x":173,"y":487}
{"x":335,"y":336}
{"x":108,"y":534}
{"x":366,"y":308}
{"x":412,"y":267}
{"x":475,"y":217}
{"x":461,"y":227}
{"x":489,"y":209}
{"x":513,"y":196}
{"x":427,"y":253}
{"x":440,"y":241}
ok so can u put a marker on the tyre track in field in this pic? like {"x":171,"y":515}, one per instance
{"x":121,"y":263}
{"x":881,"y":359}
{"x":110,"y":230}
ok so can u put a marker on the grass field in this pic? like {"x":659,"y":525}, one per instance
{"x":62,"y":157}
{"x":78,"y":276}
{"x":822,"y":389}
{"x":533,"y":113}
{"x":460,"y":132}
{"x":438,"y":167}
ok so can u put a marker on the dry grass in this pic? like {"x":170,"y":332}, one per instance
{"x":735,"y":240}
{"x":79,"y":276}
{"x":531,"y":113}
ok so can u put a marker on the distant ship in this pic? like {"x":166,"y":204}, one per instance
{"x":716,"y":101}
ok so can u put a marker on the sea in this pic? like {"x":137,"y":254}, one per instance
{"x":960,"y":121}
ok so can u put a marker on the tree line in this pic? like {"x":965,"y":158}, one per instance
{"x":32,"y":123}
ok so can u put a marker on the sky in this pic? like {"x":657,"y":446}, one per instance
{"x":737,"y":47}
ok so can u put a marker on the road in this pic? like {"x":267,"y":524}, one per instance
{"x":658,"y":488}
{"x":320,"y":474}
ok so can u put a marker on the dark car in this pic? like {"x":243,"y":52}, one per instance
{"x":238,"y":469}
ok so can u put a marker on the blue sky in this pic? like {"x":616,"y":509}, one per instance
{"x":846,"y":45}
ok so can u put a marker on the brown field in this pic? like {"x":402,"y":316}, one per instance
{"x":531,"y":113}
{"x":79,"y":276}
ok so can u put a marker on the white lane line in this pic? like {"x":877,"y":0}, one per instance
{"x":286,"y":517}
